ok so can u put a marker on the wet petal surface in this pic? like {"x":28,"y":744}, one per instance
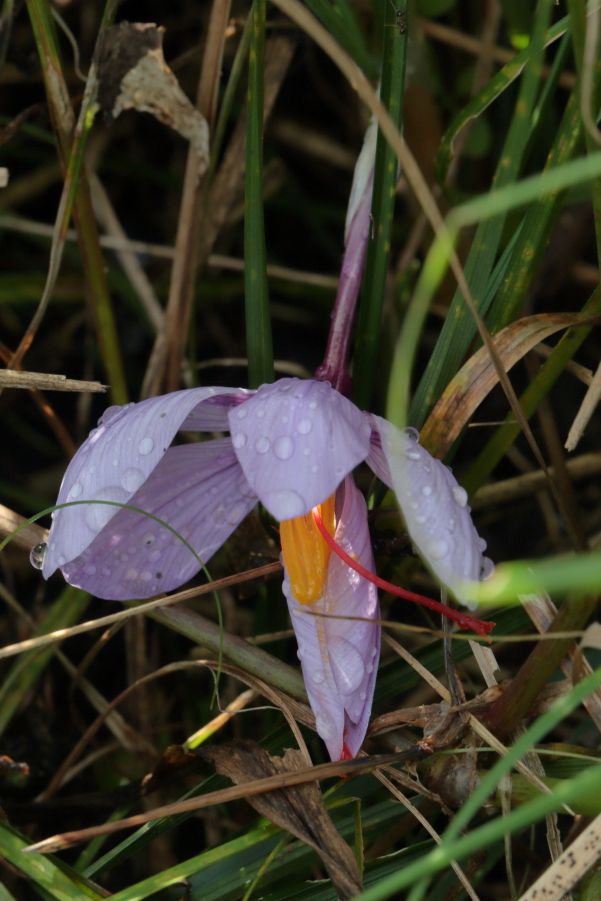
{"x":339,"y":657}
{"x":296,"y":441}
{"x":200,"y":490}
{"x":114,"y":462}
{"x":433,"y":505}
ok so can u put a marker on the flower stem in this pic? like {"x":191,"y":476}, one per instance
{"x":463,"y":619}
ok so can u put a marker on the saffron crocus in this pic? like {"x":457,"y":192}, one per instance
{"x":292,"y":446}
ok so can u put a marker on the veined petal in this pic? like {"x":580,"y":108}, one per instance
{"x":200,"y":490}
{"x":114,"y":462}
{"x":296,"y":441}
{"x":339,"y":657}
{"x":433,"y":505}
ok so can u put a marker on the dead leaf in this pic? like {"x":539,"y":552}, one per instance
{"x":298,"y":809}
{"x":133,"y":74}
{"x":570,"y":867}
{"x":477,"y":377}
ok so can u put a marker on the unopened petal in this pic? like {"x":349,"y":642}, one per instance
{"x":339,"y":655}
{"x":115,"y":461}
{"x":433,"y":505}
{"x":200,"y":491}
{"x":296,"y":441}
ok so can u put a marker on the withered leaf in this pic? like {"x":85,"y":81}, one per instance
{"x":477,"y":377}
{"x":132,"y":74}
{"x":299,"y":809}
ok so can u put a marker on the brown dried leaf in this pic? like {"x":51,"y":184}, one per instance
{"x":477,"y":377}
{"x":133,"y":74}
{"x":298,"y":809}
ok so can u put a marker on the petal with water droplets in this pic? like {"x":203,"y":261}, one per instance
{"x":296,"y":441}
{"x":114,"y":462}
{"x":339,"y":656}
{"x":433,"y":505}
{"x":200,"y":491}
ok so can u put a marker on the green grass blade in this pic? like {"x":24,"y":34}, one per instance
{"x":25,"y":673}
{"x":340,"y":18}
{"x":56,"y":879}
{"x":258,"y":323}
{"x":459,"y":327}
{"x":455,"y":848}
{"x":394,"y":54}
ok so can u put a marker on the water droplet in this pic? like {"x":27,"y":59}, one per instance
{"x":146,"y":575}
{"x":285,"y":419}
{"x":154,"y":556}
{"x":413,"y":454}
{"x":427,"y":490}
{"x":262,"y":444}
{"x":482,"y":544}
{"x":304,"y":426}
{"x":97,"y":515}
{"x":219,"y":516}
{"x":299,"y":654}
{"x":146,"y":446}
{"x":90,"y":569}
{"x":306,"y":452}
{"x":315,"y":468}
{"x":347,"y":665}
{"x":106,"y":571}
{"x":260,"y":413}
{"x":284,"y":504}
{"x":411,"y":433}
{"x":283,"y":447}
{"x":115,"y":462}
{"x":37,"y":554}
{"x":460,"y":495}
{"x":324,"y":727}
{"x":487,"y":568}
{"x":131,"y":574}
{"x":239,"y":440}
{"x":62,"y":560}
{"x":362,"y":695}
{"x":75,"y":491}
{"x":236,"y":514}
{"x":318,"y":677}
{"x":313,"y":405}
{"x":95,"y":434}
{"x":451,"y":523}
{"x":241,"y":413}
{"x":437,"y":549}
{"x":420,"y":519}
{"x":132,"y":479}
{"x":149,"y":539}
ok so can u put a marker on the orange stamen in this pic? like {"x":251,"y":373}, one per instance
{"x":463,"y":619}
{"x":305,"y":554}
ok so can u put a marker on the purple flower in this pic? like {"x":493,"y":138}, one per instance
{"x":292,"y":446}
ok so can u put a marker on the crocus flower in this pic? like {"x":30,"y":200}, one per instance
{"x":292,"y":446}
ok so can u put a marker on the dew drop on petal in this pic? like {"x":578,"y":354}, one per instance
{"x":149,"y":539}
{"x":318,"y":677}
{"x":284,"y":504}
{"x":413,"y":454}
{"x":262,"y":444}
{"x":239,"y":440}
{"x":438,"y":549}
{"x":347,"y":665}
{"x":427,"y":490}
{"x":90,"y":569}
{"x":131,"y":574}
{"x":482,"y":544}
{"x":37,"y":554}
{"x":313,"y":405}
{"x":75,"y":491}
{"x":323,"y":726}
{"x":362,"y":695}
{"x":146,"y":575}
{"x":236,"y":514}
{"x":460,"y":495}
{"x":219,"y":516}
{"x":145,"y":446}
{"x":304,"y":426}
{"x":154,"y":556}
{"x":131,"y":479}
{"x":487,"y":568}
{"x":411,"y":433}
{"x":283,"y":447}
{"x":242,"y":413}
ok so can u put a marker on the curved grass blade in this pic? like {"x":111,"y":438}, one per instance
{"x":477,"y":377}
{"x":340,"y":18}
{"x":258,"y":325}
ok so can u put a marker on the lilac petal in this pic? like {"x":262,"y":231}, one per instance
{"x":339,"y":657}
{"x":200,"y":490}
{"x":433,"y":505}
{"x":296,"y":441}
{"x":115,"y":461}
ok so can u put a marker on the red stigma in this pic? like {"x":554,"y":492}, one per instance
{"x":480,"y":627}
{"x":346,"y":752}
